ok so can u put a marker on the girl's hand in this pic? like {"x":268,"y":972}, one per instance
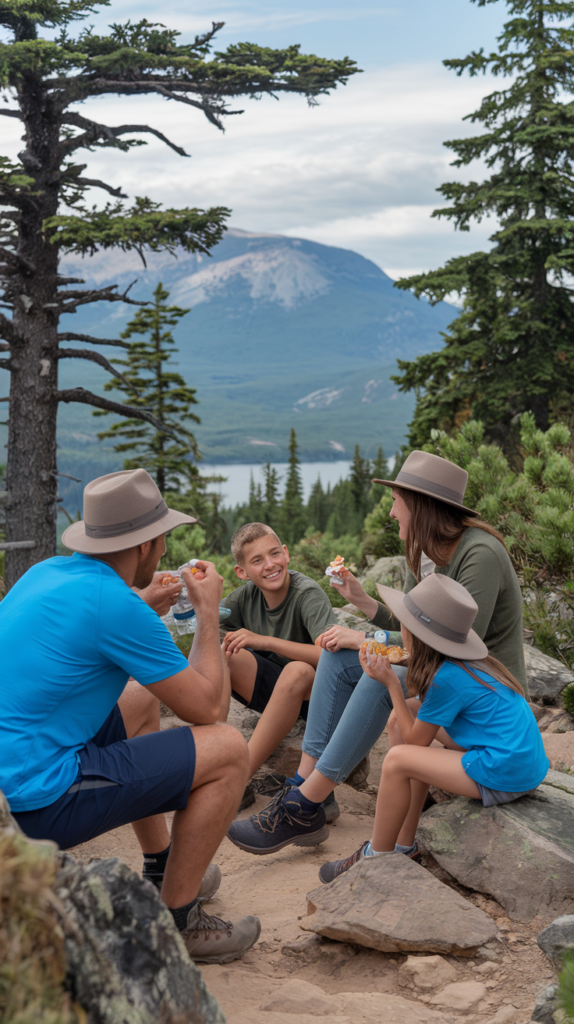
{"x":379,"y":668}
{"x":350,"y":588}
{"x":337,"y":638}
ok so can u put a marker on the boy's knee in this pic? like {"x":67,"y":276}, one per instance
{"x":296,"y":677}
{"x":233,"y":745}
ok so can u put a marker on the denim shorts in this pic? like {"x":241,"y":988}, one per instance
{"x":118,"y":781}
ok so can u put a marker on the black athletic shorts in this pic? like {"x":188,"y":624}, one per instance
{"x":268,"y":673}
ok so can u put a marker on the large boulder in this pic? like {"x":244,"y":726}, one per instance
{"x":546,"y":676}
{"x":392,"y":904}
{"x":558,"y":939}
{"x":127,"y":963}
{"x":391,"y":572}
{"x":520,"y":853}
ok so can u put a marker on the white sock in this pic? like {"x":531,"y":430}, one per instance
{"x":370,"y":852}
{"x":405,"y":849}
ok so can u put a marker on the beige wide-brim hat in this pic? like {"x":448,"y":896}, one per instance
{"x":121,"y":510}
{"x":440,"y":612}
{"x":429,"y":474}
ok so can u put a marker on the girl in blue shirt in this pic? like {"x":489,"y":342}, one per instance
{"x":467,"y":700}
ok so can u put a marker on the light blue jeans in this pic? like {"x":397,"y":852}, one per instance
{"x":347,"y":713}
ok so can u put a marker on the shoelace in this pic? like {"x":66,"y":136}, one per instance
{"x":344,"y":865}
{"x":209,"y":923}
{"x":275,"y":813}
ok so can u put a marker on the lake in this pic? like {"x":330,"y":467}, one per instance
{"x":235,"y":490}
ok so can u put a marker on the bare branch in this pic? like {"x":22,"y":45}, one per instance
{"x":12,"y":113}
{"x":88,"y":398}
{"x":5,"y":364}
{"x":69,"y":301}
{"x":4,"y":347}
{"x":210,"y":115}
{"x":93,"y":130}
{"x":7,"y":331}
{"x":70,"y":280}
{"x":95,"y":357}
{"x":70,"y":336}
{"x":96,"y":183}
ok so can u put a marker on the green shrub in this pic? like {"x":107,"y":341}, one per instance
{"x":566,"y":987}
{"x":312,"y":555}
{"x":380,"y":533}
{"x":568,"y":699}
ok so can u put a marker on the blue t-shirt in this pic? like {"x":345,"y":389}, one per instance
{"x":496,"y":728}
{"x":71,"y":634}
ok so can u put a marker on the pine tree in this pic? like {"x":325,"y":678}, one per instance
{"x":512,"y":347}
{"x":360,"y":479}
{"x":147,"y":383}
{"x":255,"y":505}
{"x":380,"y":467}
{"x":271,"y":503}
{"x":318,"y":507}
{"x":48,"y":78}
{"x":293,"y":517}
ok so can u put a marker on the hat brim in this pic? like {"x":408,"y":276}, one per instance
{"x":76,"y":539}
{"x":472,"y":649}
{"x":422,"y":490}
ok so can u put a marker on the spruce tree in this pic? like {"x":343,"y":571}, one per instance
{"x":48,"y":76}
{"x":271,"y":501}
{"x":512,"y":347}
{"x":360,"y":479}
{"x":318,"y":507}
{"x":293,"y":517}
{"x":147,"y":384}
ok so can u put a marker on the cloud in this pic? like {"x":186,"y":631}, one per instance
{"x":360,"y":171}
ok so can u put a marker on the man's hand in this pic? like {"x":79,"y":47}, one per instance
{"x":338,"y":638}
{"x":160,"y":598}
{"x":205,"y":592}
{"x":240,"y":638}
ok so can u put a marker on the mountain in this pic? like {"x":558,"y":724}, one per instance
{"x":281,"y":332}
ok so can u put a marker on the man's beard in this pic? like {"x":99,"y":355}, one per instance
{"x":146,"y":569}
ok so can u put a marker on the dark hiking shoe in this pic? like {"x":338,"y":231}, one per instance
{"x":209,"y":883}
{"x":331,"y":808}
{"x":281,"y":823}
{"x":333,"y":868}
{"x":211,"y":940}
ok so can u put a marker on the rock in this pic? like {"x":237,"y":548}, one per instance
{"x":382,"y":1008}
{"x":391,"y":572}
{"x":462,"y":995}
{"x":521,"y":853}
{"x":426,"y":972}
{"x":554,"y":720}
{"x":307,"y":946}
{"x":546,"y":676}
{"x":485,"y":969}
{"x":546,"y":1005}
{"x":557,"y":938}
{"x":358,"y":777}
{"x":394,"y":905}
{"x":350,"y":621}
{"x":504,"y":1014}
{"x":560,"y":750}
{"x":301,"y":997}
{"x":127,"y":963}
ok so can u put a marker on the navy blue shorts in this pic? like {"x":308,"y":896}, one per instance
{"x":118,"y":781}
{"x":268,"y":673}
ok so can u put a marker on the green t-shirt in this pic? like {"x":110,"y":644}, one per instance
{"x":482,"y":564}
{"x":305,"y":613}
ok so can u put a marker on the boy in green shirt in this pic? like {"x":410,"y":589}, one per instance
{"x":270,"y":650}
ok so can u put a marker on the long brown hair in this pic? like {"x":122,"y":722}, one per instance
{"x":424,"y":662}
{"x":434,"y":527}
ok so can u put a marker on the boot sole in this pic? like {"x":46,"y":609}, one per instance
{"x":312,"y":839}
{"x":229,"y":957}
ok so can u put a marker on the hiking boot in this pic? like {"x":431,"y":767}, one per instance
{"x":209,"y":883}
{"x":333,"y":868}
{"x":331,"y":808}
{"x":211,"y":940}
{"x":281,"y":823}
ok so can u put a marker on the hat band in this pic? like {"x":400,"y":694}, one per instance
{"x":429,"y":485}
{"x":118,"y":529}
{"x":435,"y":627}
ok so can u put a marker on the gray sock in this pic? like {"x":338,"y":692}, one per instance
{"x":405,"y":849}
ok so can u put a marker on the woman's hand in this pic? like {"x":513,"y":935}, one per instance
{"x":338,"y":638}
{"x":350,"y":588}
{"x":379,"y":668}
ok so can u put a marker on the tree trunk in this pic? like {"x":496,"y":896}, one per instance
{"x":31,"y":481}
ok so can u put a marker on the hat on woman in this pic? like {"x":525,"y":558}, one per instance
{"x":121,"y":510}
{"x":429,"y":474}
{"x":440,"y":612}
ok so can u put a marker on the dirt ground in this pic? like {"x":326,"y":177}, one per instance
{"x":274,"y":887}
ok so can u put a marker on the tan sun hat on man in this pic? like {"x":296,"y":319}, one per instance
{"x":440,"y":612}
{"x":121,"y":510}
{"x":429,"y":474}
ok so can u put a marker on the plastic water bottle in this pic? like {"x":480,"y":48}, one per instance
{"x":389,"y":638}
{"x":183,"y":612}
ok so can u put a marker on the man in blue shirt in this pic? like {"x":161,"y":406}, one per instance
{"x":80,"y":748}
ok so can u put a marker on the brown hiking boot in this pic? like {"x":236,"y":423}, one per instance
{"x":209,"y":883}
{"x":210,"y":940}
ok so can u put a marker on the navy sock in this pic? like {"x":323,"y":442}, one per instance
{"x":297,"y":780}
{"x":180,"y":914}
{"x":308,"y":807}
{"x":154,"y":866}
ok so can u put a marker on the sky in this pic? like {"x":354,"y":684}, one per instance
{"x":359,"y":171}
